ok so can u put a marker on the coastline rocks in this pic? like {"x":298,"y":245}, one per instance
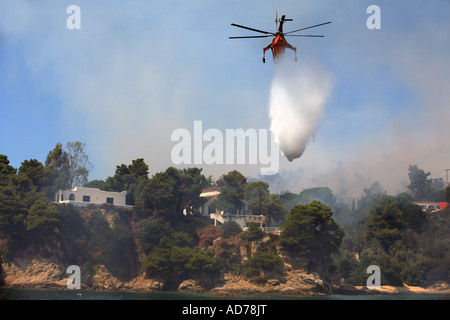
{"x":103,"y":280}
{"x":40,"y":273}
{"x":294,"y":282}
{"x":234,"y":286}
{"x":47,"y":273}
{"x":190,"y":286}
{"x":141,"y":283}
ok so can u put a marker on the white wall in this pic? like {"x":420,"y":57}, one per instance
{"x":96,"y":196}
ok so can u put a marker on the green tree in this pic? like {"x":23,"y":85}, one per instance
{"x":132,"y":178}
{"x":138,"y":168}
{"x":57,"y":157}
{"x":310,"y":232}
{"x":12,"y":213}
{"x":412,"y":214}
{"x":257,"y":194}
{"x":276,"y":211}
{"x":419,"y":185}
{"x":121,"y":180}
{"x":201,"y":262}
{"x":150,"y":231}
{"x":289,"y":199}
{"x":99,"y":184}
{"x":42,"y":220}
{"x":232,"y":193}
{"x":79,"y":164}
{"x":385,"y":222}
{"x":34,"y":180}
{"x":164,"y":193}
{"x":261,"y":202}
{"x":26,"y":190}
{"x":57,"y":169}
{"x":34,"y":170}
{"x":261,"y":261}
{"x":229,"y":229}
{"x":74,"y":235}
{"x":6,"y":171}
{"x":254,"y":232}
{"x":174,"y":192}
{"x":180,"y":263}
{"x":192,"y":184}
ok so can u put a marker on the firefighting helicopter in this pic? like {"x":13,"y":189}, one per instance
{"x":279,"y":43}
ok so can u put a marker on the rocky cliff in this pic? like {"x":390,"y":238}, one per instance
{"x":46,"y":273}
{"x":32,"y":270}
{"x":294,"y":282}
{"x":45,"y":266}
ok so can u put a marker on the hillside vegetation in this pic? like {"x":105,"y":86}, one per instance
{"x":164,"y":239}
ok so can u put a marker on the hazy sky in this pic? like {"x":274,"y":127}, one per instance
{"x":138,"y":70}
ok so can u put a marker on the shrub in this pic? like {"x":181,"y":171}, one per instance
{"x":261,"y":261}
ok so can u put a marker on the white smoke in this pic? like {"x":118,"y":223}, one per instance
{"x":297,"y":100}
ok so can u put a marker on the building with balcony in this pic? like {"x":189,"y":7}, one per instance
{"x":243,"y":217}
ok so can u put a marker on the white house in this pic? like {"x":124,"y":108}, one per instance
{"x":81,"y":196}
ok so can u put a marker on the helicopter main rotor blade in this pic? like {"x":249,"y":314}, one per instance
{"x":318,"y":25}
{"x":251,"y":29}
{"x":248,"y":37}
{"x":303,"y":35}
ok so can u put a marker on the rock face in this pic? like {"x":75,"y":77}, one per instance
{"x":294,"y":282}
{"x":33,"y":270}
{"x":103,"y":280}
{"x":142,"y":283}
{"x":50,"y":273}
{"x":43,"y":273}
{"x":38,"y":272}
{"x":190,"y":286}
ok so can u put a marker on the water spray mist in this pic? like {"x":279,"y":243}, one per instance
{"x":297,"y":100}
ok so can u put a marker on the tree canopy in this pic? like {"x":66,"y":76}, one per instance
{"x":310,"y":232}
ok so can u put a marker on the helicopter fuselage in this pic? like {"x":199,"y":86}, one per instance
{"x":279,"y":43}
{"x":278,"y":47}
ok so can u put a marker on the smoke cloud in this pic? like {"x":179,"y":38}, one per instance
{"x":297,"y":99}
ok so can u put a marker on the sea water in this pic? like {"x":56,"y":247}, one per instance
{"x":52,"y":294}
{"x":87,"y":304}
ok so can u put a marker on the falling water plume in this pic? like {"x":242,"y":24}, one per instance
{"x":297,"y":99}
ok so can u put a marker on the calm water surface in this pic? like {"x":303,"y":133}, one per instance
{"x":51,"y":294}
